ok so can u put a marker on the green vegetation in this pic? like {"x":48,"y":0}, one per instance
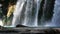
{"x":4,"y":9}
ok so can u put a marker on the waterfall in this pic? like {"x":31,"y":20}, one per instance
{"x":56,"y":15}
{"x":26,"y":13}
{"x":55,"y":22}
{"x":29,"y":14}
{"x":17,"y":12}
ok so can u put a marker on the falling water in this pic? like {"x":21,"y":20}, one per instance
{"x":17,"y":12}
{"x":26,"y":13}
{"x":1,"y":22}
{"x":55,"y":22}
{"x":56,"y":15}
{"x":30,"y":14}
{"x":27,"y":16}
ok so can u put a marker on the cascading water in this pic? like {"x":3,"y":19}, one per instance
{"x":17,"y":12}
{"x":30,"y":14}
{"x":28,"y":17}
{"x":56,"y":15}
{"x":1,"y":22}
{"x":26,"y":13}
{"x":55,"y":22}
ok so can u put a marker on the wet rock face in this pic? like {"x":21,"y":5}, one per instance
{"x":46,"y":9}
{"x":4,"y":7}
{"x":40,"y":11}
{"x":20,"y":26}
{"x":49,"y":9}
